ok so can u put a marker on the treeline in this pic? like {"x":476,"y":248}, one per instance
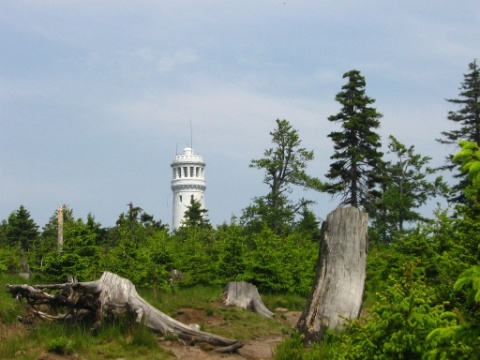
{"x":422,"y":297}
{"x":145,"y":251}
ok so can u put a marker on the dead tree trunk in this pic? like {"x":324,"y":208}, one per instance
{"x":111,"y":296}
{"x":60,"y":230}
{"x":245,"y":295}
{"x":338,"y":287}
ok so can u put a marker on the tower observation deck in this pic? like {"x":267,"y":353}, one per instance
{"x":188,"y":182}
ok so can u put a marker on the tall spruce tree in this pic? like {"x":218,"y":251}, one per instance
{"x":467,"y":122}
{"x":22,"y":230}
{"x":355,"y":172}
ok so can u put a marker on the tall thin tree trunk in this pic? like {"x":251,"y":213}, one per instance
{"x":339,"y":281}
{"x":60,"y":229}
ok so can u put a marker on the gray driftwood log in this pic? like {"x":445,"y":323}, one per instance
{"x":340,"y":276}
{"x":111,"y":296}
{"x":245,"y":295}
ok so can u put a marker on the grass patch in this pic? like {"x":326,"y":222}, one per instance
{"x":292,"y":302}
{"x":9,"y":309}
{"x":237,"y":323}
{"x":125,"y":339}
{"x":198,"y":297}
{"x":242,"y":324}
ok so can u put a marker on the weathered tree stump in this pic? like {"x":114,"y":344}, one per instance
{"x":111,"y":296}
{"x":340,"y":276}
{"x":245,"y":295}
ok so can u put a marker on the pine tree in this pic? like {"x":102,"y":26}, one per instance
{"x":195,"y":216}
{"x":355,"y":171}
{"x":407,"y":187}
{"x":467,"y":120}
{"x":22,"y":230}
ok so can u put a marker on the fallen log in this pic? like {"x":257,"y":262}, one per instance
{"x":111,"y":296}
{"x":341,"y":269}
{"x":245,"y":295}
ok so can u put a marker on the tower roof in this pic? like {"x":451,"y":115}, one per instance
{"x":188,"y":157}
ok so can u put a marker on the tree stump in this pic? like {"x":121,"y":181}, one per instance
{"x":111,"y":296}
{"x":340,"y":276}
{"x":245,"y":295}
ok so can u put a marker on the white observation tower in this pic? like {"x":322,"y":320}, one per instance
{"x":188,"y":182}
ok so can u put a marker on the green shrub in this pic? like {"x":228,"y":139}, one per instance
{"x":61,"y":345}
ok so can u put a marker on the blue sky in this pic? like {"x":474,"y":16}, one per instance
{"x":96,"y":97}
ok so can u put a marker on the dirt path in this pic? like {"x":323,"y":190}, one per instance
{"x":259,"y":349}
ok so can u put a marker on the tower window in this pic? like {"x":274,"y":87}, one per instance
{"x":191,"y":197}
{"x":191,"y":171}
{"x":180,"y":198}
{"x":179,"y":171}
{"x":185,"y":171}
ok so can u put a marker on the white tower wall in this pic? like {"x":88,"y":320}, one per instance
{"x":188,"y":182}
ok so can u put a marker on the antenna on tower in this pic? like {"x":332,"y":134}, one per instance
{"x":191,"y":135}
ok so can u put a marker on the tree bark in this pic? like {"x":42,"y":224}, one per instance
{"x":245,"y":295}
{"x":111,"y":296}
{"x":340,"y":276}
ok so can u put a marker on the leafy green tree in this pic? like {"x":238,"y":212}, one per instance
{"x":9,"y":260}
{"x":143,"y":263}
{"x":406,"y":188}
{"x":469,"y":160}
{"x":285,"y":166}
{"x":355,"y":172}
{"x":467,"y":122}
{"x":232,"y":260}
{"x":197,"y":254}
{"x":79,"y":256}
{"x":265,"y":262}
{"x":9,"y":256}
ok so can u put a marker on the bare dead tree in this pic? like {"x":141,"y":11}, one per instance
{"x":340,"y":277}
